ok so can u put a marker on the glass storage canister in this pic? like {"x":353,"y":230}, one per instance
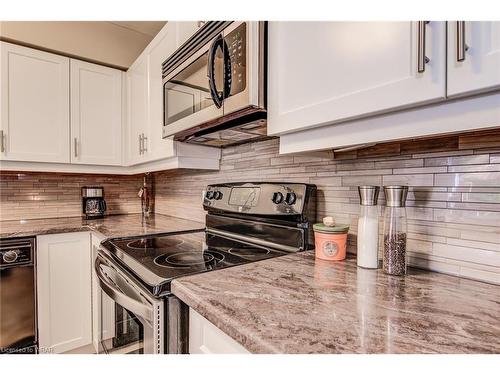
{"x":395,"y":231}
{"x":367,"y":251}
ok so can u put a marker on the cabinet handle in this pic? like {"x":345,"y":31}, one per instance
{"x":144,"y":143}
{"x":75,"y":144}
{"x":421,"y":58}
{"x":461,"y":46}
{"x":2,"y":142}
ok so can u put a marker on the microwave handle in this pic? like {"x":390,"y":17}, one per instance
{"x":217,"y":98}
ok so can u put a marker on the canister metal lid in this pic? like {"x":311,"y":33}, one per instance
{"x":395,"y":195}
{"x":368,"y":195}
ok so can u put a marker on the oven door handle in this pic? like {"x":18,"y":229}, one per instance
{"x":129,"y":303}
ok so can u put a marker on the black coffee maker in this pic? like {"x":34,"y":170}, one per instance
{"x":93,"y":203}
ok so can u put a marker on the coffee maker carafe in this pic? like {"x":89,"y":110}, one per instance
{"x":93,"y":203}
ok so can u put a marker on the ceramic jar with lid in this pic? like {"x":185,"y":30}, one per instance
{"x":330,"y":241}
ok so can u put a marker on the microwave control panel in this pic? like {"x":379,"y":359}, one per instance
{"x":237,"y":43}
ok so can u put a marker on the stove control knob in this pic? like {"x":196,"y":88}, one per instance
{"x":277,"y":197}
{"x":218,"y":195}
{"x":290,"y":198}
{"x":209,"y":194}
{"x":10,"y":256}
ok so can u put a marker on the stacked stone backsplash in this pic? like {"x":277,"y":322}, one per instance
{"x":453,"y":204}
{"x":48,"y":195}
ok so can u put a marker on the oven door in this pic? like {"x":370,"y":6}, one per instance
{"x":130,"y":320}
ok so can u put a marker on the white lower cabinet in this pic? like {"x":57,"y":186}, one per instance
{"x":206,"y":338}
{"x":64,"y":292}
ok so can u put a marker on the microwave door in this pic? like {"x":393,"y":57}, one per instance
{"x":187,"y":91}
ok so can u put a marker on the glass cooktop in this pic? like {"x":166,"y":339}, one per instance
{"x":159,"y":259}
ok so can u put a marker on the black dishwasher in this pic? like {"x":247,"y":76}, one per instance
{"x":18,"y":329}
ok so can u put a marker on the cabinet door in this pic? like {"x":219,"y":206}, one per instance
{"x":138,"y":102}
{"x":327,"y":72}
{"x":206,"y":338}
{"x":161,"y":47}
{"x":64,"y":291}
{"x":186,"y":29}
{"x":34,"y":97}
{"x":473,"y":57}
{"x":96,"y":114}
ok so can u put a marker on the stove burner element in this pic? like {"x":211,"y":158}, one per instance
{"x":189,"y":259}
{"x":151,"y":243}
{"x":248,"y":252}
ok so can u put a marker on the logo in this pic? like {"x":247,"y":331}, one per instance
{"x":330,"y":249}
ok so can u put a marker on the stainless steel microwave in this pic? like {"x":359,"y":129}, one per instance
{"x":214,"y":86}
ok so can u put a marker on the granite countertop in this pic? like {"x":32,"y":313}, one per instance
{"x":296,"y":304}
{"x":110,"y":226}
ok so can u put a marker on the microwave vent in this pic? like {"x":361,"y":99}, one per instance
{"x":203,"y":36}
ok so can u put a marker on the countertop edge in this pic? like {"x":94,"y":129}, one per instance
{"x":90,"y":226}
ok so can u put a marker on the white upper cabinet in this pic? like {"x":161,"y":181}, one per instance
{"x":138,"y":114}
{"x":161,"y":47}
{"x":326,"y":72}
{"x":34,"y":97}
{"x":473,"y":57}
{"x":96,"y":114}
{"x":185,"y":30}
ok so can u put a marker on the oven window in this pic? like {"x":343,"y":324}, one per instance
{"x":122,"y":332}
{"x":188,"y":92}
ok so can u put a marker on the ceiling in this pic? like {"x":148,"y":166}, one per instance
{"x":113,"y":43}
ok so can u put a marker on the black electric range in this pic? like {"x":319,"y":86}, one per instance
{"x":156,"y":261}
{"x":245,"y":222}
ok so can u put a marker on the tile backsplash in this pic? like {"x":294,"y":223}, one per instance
{"x":453,"y":203}
{"x":46,"y":195}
